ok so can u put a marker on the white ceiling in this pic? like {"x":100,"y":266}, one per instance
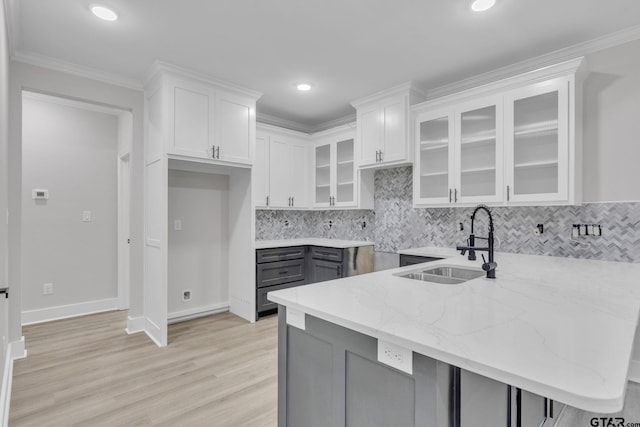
{"x":346,"y":48}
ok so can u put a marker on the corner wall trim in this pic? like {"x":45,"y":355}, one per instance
{"x":31,"y":317}
{"x":13,"y":348}
{"x":634,"y":371}
{"x":135,"y":325}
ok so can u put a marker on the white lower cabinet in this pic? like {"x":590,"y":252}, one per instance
{"x":513,"y":142}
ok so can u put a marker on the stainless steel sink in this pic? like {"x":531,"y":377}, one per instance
{"x":444,"y":274}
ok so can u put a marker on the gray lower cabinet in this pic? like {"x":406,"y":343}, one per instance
{"x":278,"y":268}
{"x":320,"y":270}
{"x":329,"y":376}
{"x":414,"y":259}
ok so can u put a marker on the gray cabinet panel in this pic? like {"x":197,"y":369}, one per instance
{"x":324,"y":270}
{"x":327,"y":254}
{"x":413,"y":259}
{"x":276,"y":273}
{"x":377,"y":395}
{"x":363,"y":392}
{"x":263,"y":303}
{"x":280,"y":254}
{"x":309,"y":381}
{"x":483,"y":402}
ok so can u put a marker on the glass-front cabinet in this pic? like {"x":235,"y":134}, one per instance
{"x":335,"y":174}
{"x":459,"y":155}
{"x":434,"y":158}
{"x":537,"y":142}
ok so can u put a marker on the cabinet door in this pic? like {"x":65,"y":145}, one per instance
{"x":395,"y":130}
{"x":323,"y":174}
{"x":234,"y":131}
{"x":190,"y":126}
{"x":370,"y":134}
{"x":537,"y":142}
{"x":433,"y":170}
{"x":478,"y":160}
{"x":345,"y":172}
{"x":298,"y":169}
{"x":280,"y":166}
{"x":260,"y":172}
{"x":325,"y":270}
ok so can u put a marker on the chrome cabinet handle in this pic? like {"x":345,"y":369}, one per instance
{"x":507,"y":193}
{"x":377,"y":158}
{"x":455,"y":195}
{"x":267,"y":200}
{"x":449,"y":195}
{"x":292,"y":201}
{"x":218,"y":152}
{"x":213,"y":151}
{"x":381,"y":155}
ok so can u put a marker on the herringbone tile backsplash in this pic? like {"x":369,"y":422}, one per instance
{"x":395,"y":224}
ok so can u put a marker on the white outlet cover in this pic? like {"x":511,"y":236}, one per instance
{"x":395,"y":356}
{"x":86,"y":216}
{"x":177,"y":225}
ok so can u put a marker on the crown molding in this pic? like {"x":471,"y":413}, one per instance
{"x":69,"y":102}
{"x":331,"y":124}
{"x":50,"y":63}
{"x":347,"y":127}
{"x":265,"y":127}
{"x":11,"y":12}
{"x":161,"y":66}
{"x":414,"y":92}
{"x":575,"y":66}
{"x":571,"y":52}
{"x":279,"y":122}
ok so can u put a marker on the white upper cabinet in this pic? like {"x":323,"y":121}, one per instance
{"x":260,"y":172}
{"x":383,"y":127}
{"x":337,"y":183}
{"x":459,"y":154}
{"x":513,"y":142}
{"x":207,"y":120}
{"x":537,"y":148}
{"x":235,"y":128}
{"x":299,"y":171}
{"x":190,"y":132}
{"x":281,"y":169}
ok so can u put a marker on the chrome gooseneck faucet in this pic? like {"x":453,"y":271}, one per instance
{"x":490,"y":266}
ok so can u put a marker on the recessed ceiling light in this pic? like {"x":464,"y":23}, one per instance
{"x":482,"y":5}
{"x":103,"y":12}
{"x":304,"y":87}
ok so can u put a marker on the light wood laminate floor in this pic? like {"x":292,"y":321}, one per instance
{"x":216,"y":371}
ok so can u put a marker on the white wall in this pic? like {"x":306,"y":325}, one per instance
{"x":71,"y":152}
{"x":198,"y":253}
{"x":4,"y":187}
{"x":612,"y":125}
{"x":37,"y":79}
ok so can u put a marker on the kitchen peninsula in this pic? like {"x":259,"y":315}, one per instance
{"x":559,"y":328}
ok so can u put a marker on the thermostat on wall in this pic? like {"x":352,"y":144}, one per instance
{"x":39,"y":194}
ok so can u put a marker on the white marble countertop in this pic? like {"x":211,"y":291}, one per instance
{"x":558,"y":327}
{"x":431,"y":251}
{"x":328,"y":243}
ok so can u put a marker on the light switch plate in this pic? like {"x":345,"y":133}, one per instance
{"x":86,"y":216}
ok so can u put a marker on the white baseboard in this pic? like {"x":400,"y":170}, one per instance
{"x":15,"y":350}
{"x":153,"y":331}
{"x":634,"y":371}
{"x":65,"y":311}
{"x":18,"y":349}
{"x":194,"y":313}
{"x":135,"y":325}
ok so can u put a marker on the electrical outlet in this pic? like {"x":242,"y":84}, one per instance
{"x":86,"y":216}
{"x":47,"y":289}
{"x":177,"y":225}
{"x":186,"y":295}
{"x":396,"y":356}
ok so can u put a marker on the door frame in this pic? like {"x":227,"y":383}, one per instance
{"x":124,"y":229}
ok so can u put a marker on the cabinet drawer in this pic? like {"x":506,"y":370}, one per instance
{"x":279,"y":254}
{"x":276,"y":273}
{"x":413,"y":259}
{"x":263,"y":304}
{"x":328,"y":254}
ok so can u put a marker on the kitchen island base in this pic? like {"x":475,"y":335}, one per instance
{"x":329,"y":375}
